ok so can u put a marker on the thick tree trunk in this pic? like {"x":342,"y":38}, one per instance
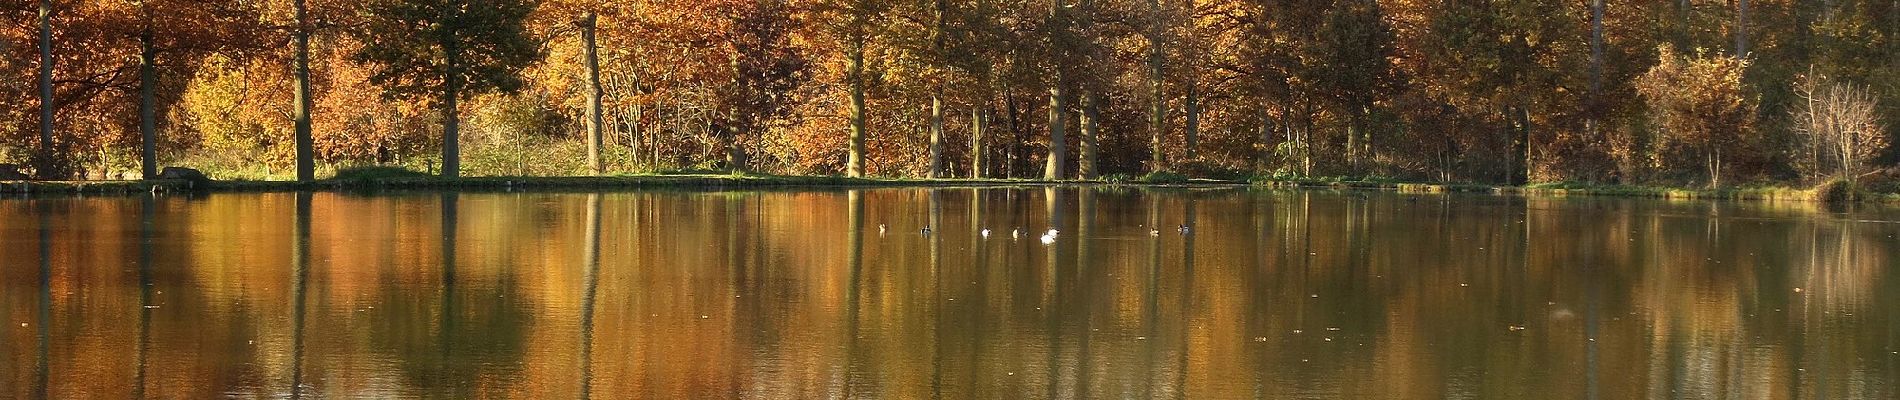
{"x":148,"y":107}
{"x":44,"y":161}
{"x":854,"y":166}
{"x":978,"y":121}
{"x":591,"y":55}
{"x":1089,"y":122}
{"x":1353,"y":142}
{"x":300,"y":100}
{"x":1058,"y":149}
{"x":451,"y":114}
{"x":939,"y":7}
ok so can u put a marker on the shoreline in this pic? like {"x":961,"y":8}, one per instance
{"x":15,"y":189}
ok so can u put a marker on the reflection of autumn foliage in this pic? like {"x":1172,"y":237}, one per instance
{"x":708,"y":294}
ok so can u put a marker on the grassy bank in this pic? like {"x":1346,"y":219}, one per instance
{"x":387,"y":178}
{"x":1752,"y":193}
{"x":402,"y":180}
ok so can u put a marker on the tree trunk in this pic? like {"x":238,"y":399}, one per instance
{"x":1715,"y":167}
{"x":1594,"y":105}
{"x":1265,"y":133}
{"x":1192,"y":134}
{"x":854,"y":166}
{"x":1058,"y":151}
{"x":1530,"y":143}
{"x":148,"y":113}
{"x":1015,"y":148}
{"x":300,"y":99}
{"x":977,"y":122}
{"x":1091,"y":150}
{"x":591,"y":51}
{"x":736,"y":157}
{"x":936,"y":136}
{"x":936,"y":95}
{"x":1306,"y":138}
{"x":451,"y":114}
{"x":45,"y":157}
{"x":1157,"y":112}
{"x":1353,"y":141}
{"x":1741,"y":28}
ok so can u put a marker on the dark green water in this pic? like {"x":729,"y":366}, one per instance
{"x":800,"y":294}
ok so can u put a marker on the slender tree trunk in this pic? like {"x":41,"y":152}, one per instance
{"x":1192,"y":134}
{"x":936,"y":135}
{"x":977,"y":123}
{"x":1265,"y":133}
{"x":148,"y":113}
{"x":300,"y":99}
{"x":1595,"y":102}
{"x":854,"y":166}
{"x":1015,"y":147}
{"x":1058,"y":149}
{"x":1530,"y":142}
{"x":1306,"y":137}
{"x":1091,"y":151}
{"x":1158,"y":106}
{"x":45,"y":156}
{"x":591,"y":54}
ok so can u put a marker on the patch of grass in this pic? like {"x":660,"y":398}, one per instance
{"x":1164,"y":177}
{"x":377,"y":172}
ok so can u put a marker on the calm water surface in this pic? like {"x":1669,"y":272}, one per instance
{"x":829,"y":294}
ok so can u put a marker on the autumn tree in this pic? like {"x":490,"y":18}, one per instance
{"x":852,"y":25}
{"x":584,"y":19}
{"x":1699,"y":103}
{"x":449,"y":49}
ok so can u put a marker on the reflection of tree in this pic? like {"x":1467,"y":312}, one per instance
{"x":300,"y":274}
{"x":589,"y":282}
{"x":146,"y":206}
{"x":42,"y":364}
{"x":854,"y":262}
{"x":1151,"y":297}
{"x":1052,"y":312}
{"x":477,"y":334}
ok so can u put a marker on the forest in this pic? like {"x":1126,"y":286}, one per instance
{"x":1678,"y":92}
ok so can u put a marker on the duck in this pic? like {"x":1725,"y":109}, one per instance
{"x":1016,"y":234}
{"x":1050,"y":236}
{"x":1186,"y":230}
{"x":925,"y":231}
{"x":986,"y":233}
{"x":1154,"y":232}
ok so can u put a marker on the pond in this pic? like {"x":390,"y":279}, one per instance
{"x":1216,"y":293}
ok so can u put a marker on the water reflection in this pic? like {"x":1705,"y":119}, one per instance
{"x":799,"y":294}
